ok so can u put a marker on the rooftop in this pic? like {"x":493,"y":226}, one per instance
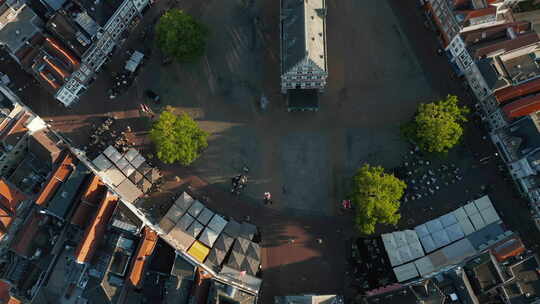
{"x":524,"y":137}
{"x":303,"y":34}
{"x":527,"y":279}
{"x":426,"y":291}
{"x":145,"y":250}
{"x":100,"y":11}
{"x":23,"y":244}
{"x":61,"y":203}
{"x":92,"y":194}
{"x":58,"y":176}
{"x":65,"y":29}
{"x":18,"y":23}
{"x":44,"y":145}
{"x":220,"y":293}
{"x":95,"y":232}
{"x":309,"y":299}
{"x":512,"y":92}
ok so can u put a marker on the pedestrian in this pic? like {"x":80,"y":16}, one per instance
{"x":267,"y":198}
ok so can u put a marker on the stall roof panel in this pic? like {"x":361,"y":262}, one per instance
{"x":195,"y":229}
{"x":438,"y":259}
{"x":458,"y":251}
{"x":460,"y":213}
{"x":180,"y":239}
{"x":233,"y":228}
{"x":394,"y":257}
{"x":128,"y":170}
{"x":434,"y":226}
{"x":122,"y":163}
{"x":454,"y":232}
{"x":110,"y":151}
{"x":138,"y":161}
{"x":185,"y":221}
{"x":208,"y":237}
{"x":411,"y":237}
{"x":490,"y":215}
{"x":129,"y":192}
{"x":440,"y":238}
{"x":198,"y":251}
{"x":466,"y":226}
{"x":102,"y":163}
{"x":416,"y":250}
{"x":421,"y":230}
{"x":131,"y":154}
{"x":388,"y":241}
{"x":205,"y":216}
{"x":217,"y":223}
{"x":424,"y":266}
{"x":166,"y":224}
{"x":174,"y":213}
{"x":115,"y":156}
{"x":399,"y":236}
{"x":448,"y":219}
{"x":405,"y":272}
{"x":196,"y":208}
{"x":483,"y":203}
{"x":115,"y":176}
{"x":184,"y":201}
{"x":405,"y":254}
{"x":477,"y":221}
{"x":247,"y":230}
{"x":470,"y":209}
{"x":428,"y":243}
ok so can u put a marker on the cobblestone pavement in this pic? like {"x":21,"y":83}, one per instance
{"x":382,"y":62}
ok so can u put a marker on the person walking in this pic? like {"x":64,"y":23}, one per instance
{"x":267,"y":198}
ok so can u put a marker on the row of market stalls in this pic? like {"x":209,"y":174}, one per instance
{"x":444,"y":241}
{"x":129,"y":172}
{"x":224,"y":246}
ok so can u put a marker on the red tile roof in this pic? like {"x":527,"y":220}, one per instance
{"x":25,"y":236}
{"x":508,"y":45}
{"x":4,"y":290}
{"x":17,"y":129}
{"x":146,"y":247}
{"x":94,"y":233}
{"x":95,"y":190}
{"x":481,"y":12}
{"x":444,"y":35}
{"x":59,"y":175}
{"x":10,"y":199}
{"x":523,"y":106}
{"x":513,"y":92}
{"x":11,"y":196}
{"x":5,"y":297}
{"x":490,"y":32}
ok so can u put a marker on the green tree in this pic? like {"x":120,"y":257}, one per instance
{"x":437,"y":126}
{"x":180,"y":36}
{"x":177,"y":138}
{"x":375,"y":195}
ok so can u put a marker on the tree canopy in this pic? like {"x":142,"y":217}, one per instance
{"x":177,"y":138}
{"x":180,"y":36}
{"x":375,"y":195}
{"x":437,"y":126}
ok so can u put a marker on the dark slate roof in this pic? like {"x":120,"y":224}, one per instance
{"x":526,"y":130}
{"x":294,"y":33}
{"x":61,"y":203}
{"x":493,"y":80}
